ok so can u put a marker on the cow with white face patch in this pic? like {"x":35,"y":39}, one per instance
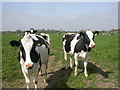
{"x":78,"y":45}
{"x":34,"y":52}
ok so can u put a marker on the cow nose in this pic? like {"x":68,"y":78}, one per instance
{"x":29,"y":66}
{"x":93,"y":45}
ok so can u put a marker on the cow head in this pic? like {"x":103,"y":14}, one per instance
{"x":89,"y":38}
{"x":27,"y":48}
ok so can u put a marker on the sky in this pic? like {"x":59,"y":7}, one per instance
{"x":70,"y":16}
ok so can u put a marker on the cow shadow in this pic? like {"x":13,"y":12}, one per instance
{"x":92,"y":68}
{"x":59,"y":78}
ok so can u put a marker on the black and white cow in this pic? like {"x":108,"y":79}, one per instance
{"x":34,"y":52}
{"x":46,"y":37}
{"x":78,"y":45}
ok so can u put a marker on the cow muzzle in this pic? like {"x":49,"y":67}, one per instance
{"x":92,"y":45}
{"x":29,"y":66}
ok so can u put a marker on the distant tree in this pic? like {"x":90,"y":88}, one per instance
{"x":18,"y":31}
{"x":82,"y":30}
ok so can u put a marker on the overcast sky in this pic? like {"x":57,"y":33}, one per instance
{"x":60,"y":15}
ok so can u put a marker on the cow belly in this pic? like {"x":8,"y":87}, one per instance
{"x":44,"y":58}
{"x":82,"y":54}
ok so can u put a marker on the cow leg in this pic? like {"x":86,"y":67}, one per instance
{"x":35,"y":80}
{"x":25,"y":72}
{"x":40,"y":72}
{"x":71,"y":63}
{"x":45,"y":76}
{"x":85,"y":67}
{"x":26,"y":75}
{"x":65,"y":57}
{"x":76,"y":63}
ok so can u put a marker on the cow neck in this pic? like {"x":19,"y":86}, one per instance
{"x":86,"y":46}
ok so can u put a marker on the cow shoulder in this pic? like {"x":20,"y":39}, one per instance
{"x":80,"y":45}
{"x":68,"y":39}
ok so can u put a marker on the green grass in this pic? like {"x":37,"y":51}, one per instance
{"x":56,"y":43}
{"x":103,"y":58}
{"x":106,"y":55}
{"x":10,"y":66}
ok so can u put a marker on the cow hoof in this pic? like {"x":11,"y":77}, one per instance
{"x":71,"y":66}
{"x":40,"y":74}
{"x":76,"y":74}
{"x":86,"y":76}
{"x":44,"y":81}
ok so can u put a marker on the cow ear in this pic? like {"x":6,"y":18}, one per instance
{"x":34,"y":31}
{"x":81,"y":34}
{"x":15,"y":43}
{"x":96,"y":33}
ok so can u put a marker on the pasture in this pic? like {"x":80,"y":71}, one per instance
{"x":102,"y":67}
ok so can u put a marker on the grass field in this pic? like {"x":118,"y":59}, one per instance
{"x":102,"y":67}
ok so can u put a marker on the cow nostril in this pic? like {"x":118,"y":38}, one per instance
{"x":29,"y":66}
{"x":93,"y":45}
